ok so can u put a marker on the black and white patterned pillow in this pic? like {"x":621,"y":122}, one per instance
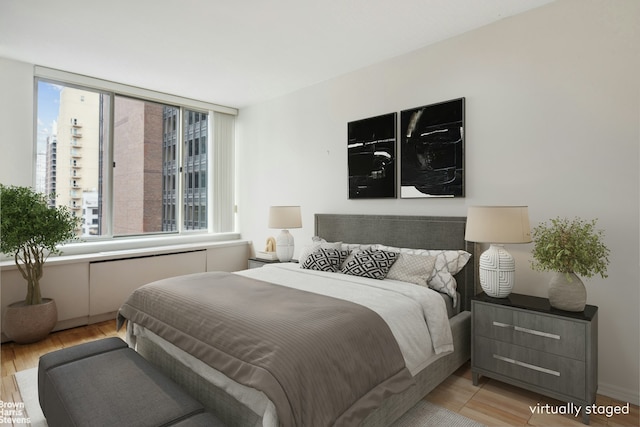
{"x":317,"y":243}
{"x":371,"y":263}
{"x":325,"y":260}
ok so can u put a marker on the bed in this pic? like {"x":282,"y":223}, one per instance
{"x":238,"y":403}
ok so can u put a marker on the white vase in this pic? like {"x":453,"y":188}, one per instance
{"x":284,"y":246}
{"x":497,"y":271}
{"x":567,"y":292}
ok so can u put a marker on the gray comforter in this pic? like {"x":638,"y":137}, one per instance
{"x":322,"y":361}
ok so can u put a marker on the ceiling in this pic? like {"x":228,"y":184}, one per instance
{"x":234,"y":52}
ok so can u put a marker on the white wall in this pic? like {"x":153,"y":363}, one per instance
{"x":552,"y":121}
{"x":16,"y":123}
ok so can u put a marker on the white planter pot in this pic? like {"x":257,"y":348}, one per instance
{"x":567,"y":292}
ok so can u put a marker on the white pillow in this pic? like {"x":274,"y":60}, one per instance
{"x":356,"y":247}
{"x":412,"y":268}
{"x":448,"y":263}
{"x":317,"y":243}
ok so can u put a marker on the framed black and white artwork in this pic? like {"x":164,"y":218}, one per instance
{"x":372,"y":157}
{"x":432,"y":150}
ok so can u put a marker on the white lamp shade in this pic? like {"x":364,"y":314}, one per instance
{"x":285,"y":217}
{"x":498,"y":224}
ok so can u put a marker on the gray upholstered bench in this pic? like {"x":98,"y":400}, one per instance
{"x":105,"y":383}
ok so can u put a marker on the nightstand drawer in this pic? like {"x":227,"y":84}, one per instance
{"x":492,"y":321}
{"x":550,"y":334}
{"x":555,"y":373}
{"x":529,"y":329}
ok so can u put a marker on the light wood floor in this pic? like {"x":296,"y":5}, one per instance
{"x":491,"y":403}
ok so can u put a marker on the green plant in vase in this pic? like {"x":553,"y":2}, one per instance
{"x":571,"y":248}
{"x":31,"y":231}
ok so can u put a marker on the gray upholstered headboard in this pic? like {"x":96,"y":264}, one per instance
{"x":420,"y":232}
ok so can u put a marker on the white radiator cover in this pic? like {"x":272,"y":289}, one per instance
{"x":112,"y":281}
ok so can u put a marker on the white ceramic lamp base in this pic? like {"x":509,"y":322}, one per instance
{"x":497,"y":271}
{"x":284,"y":246}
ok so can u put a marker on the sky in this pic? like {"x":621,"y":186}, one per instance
{"x":48,"y":105}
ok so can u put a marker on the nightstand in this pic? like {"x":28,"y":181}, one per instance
{"x":522,"y":341}
{"x":259,"y":262}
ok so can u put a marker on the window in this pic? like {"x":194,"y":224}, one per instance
{"x":143,"y":140}
{"x":130,"y":161}
{"x":195,"y":167}
{"x":69,"y":146}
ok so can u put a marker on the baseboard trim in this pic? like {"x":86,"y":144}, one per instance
{"x":619,"y":393}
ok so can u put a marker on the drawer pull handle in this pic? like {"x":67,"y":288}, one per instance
{"x":527,"y":365}
{"x":526,"y":330}
{"x":502,"y":325}
{"x":539,"y":333}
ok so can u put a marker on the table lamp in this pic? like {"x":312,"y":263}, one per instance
{"x":285,"y":217}
{"x":497,"y":225}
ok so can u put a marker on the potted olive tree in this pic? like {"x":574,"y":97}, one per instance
{"x":570,"y":248}
{"x":30,"y":231}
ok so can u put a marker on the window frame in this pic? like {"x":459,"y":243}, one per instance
{"x":182,"y":234}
